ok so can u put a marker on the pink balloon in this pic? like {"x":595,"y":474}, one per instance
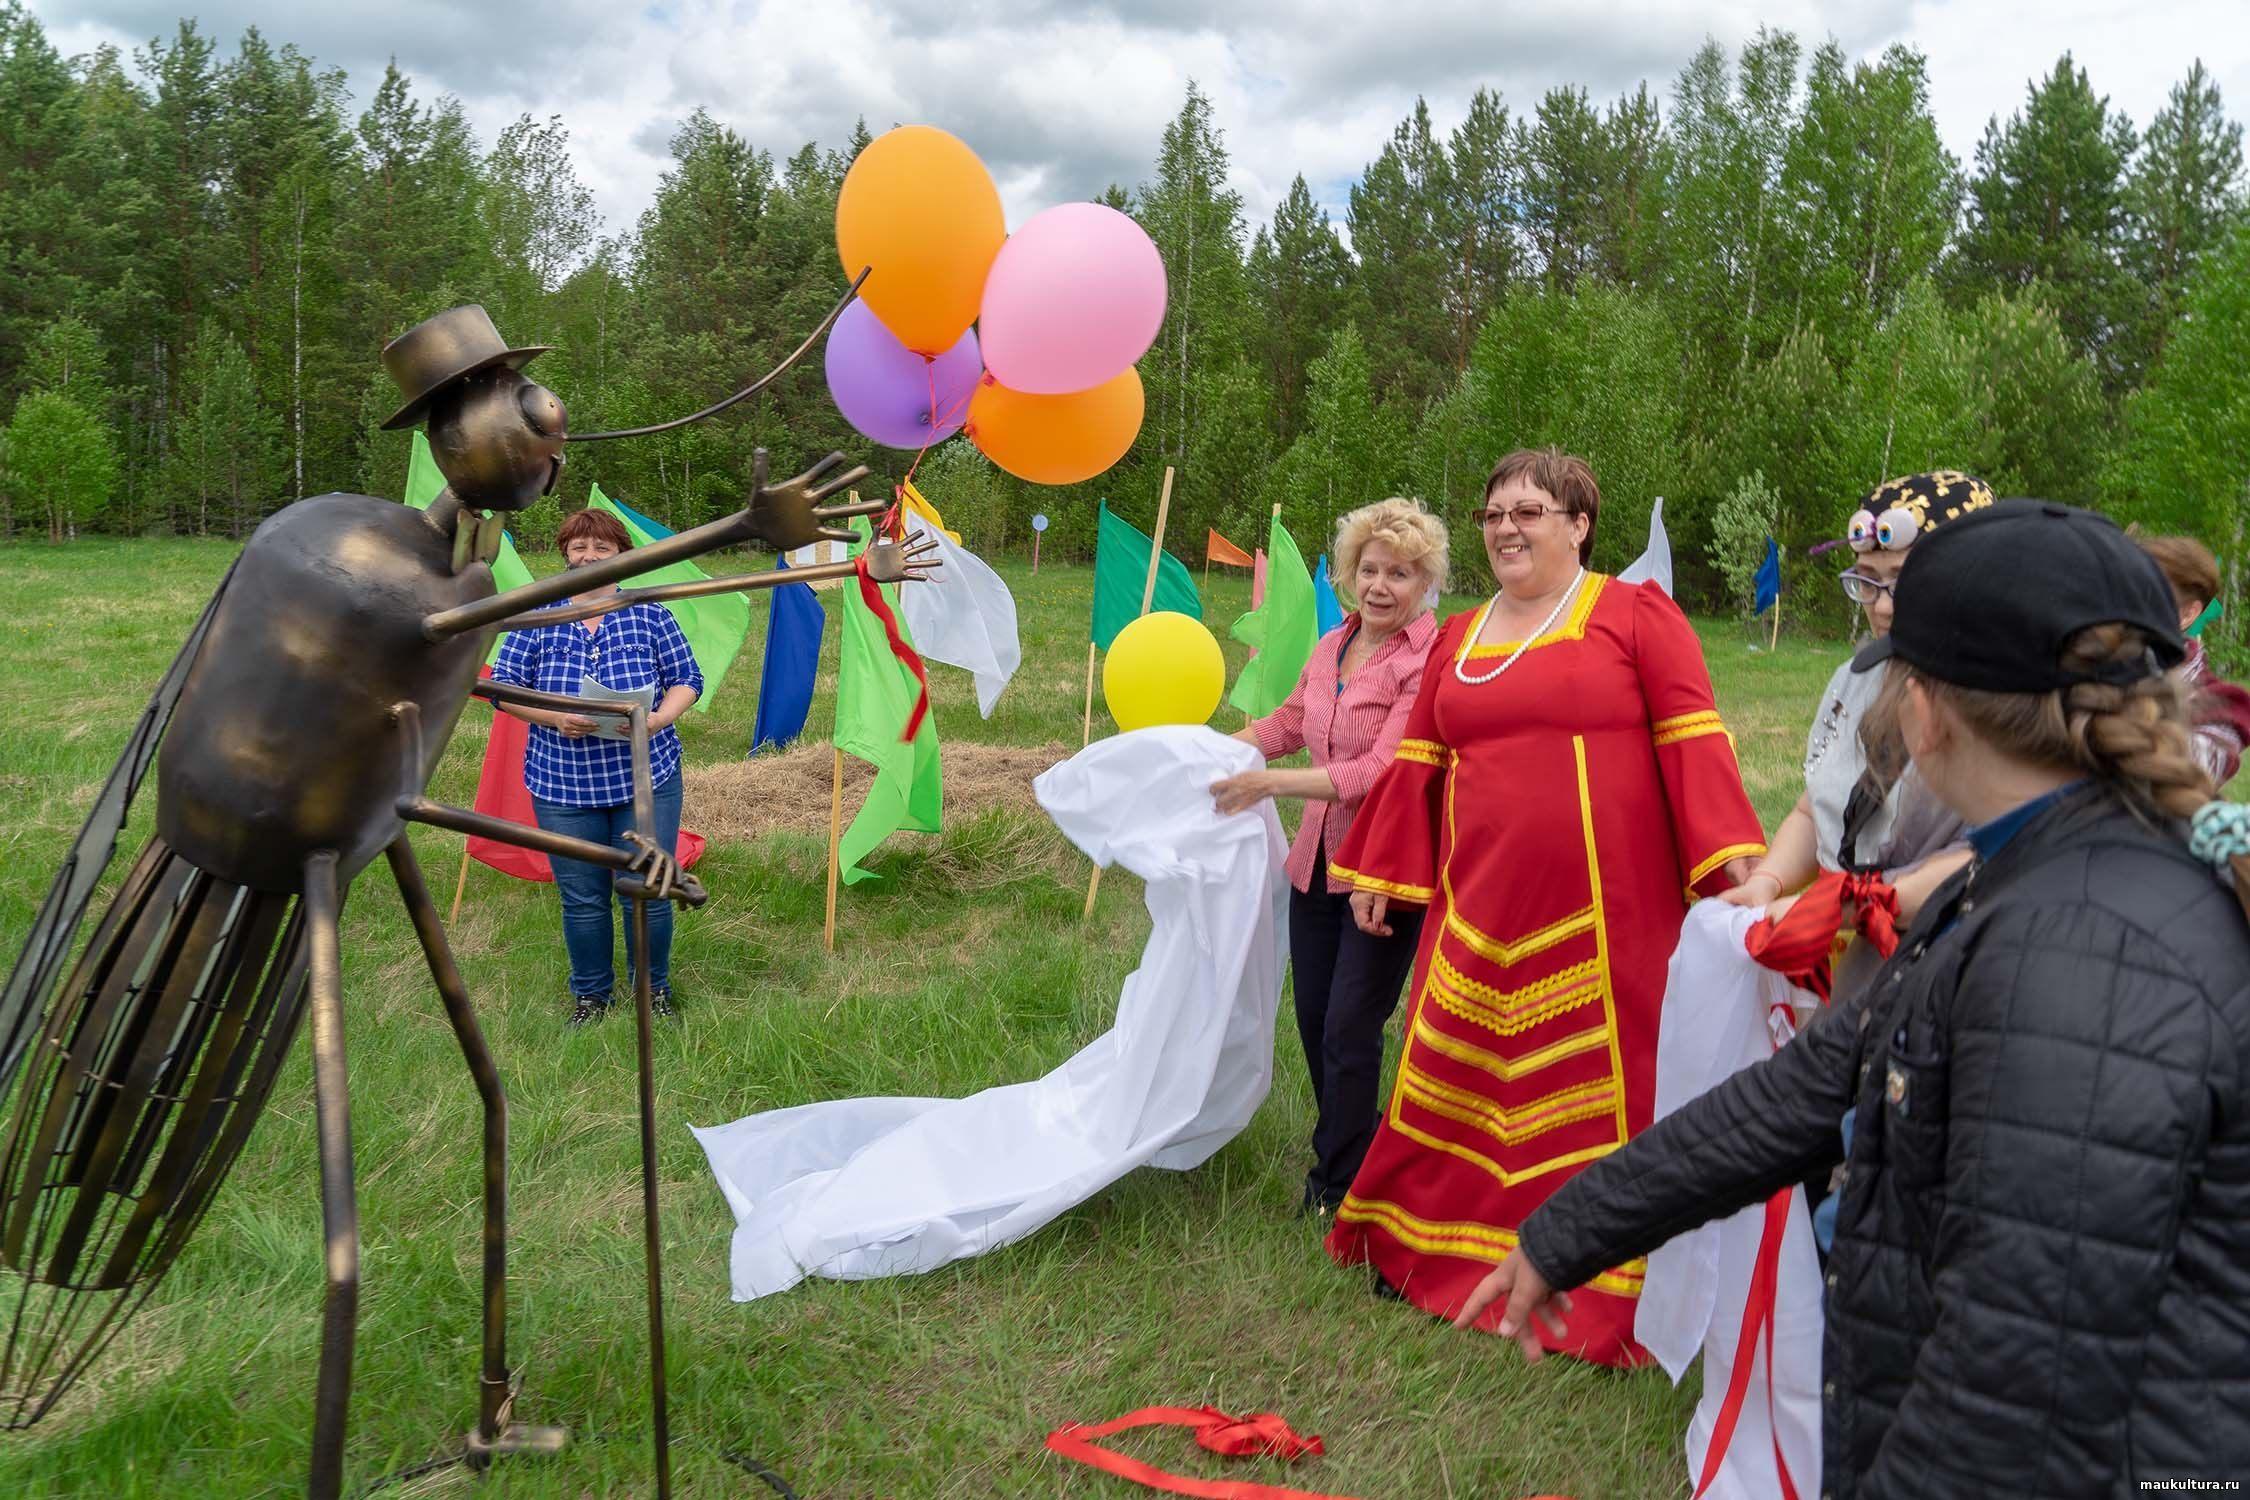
{"x":1075,"y":296}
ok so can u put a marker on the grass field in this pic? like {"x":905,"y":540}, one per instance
{"x":966,"y":965}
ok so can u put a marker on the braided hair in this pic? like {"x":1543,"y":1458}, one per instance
{"x":2134,"y":738}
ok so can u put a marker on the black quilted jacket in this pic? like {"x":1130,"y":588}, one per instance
{"x":2040,"y":1285}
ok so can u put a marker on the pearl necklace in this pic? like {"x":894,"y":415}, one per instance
{"x":1521,"y":646}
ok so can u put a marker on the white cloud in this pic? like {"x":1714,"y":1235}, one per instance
{"x":1062,"y":99}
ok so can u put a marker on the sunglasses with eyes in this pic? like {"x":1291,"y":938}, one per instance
{"x":1861,"y":589}
{"x":1526,"y":514}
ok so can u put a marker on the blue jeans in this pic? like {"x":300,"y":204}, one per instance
{"x":588,"y":927}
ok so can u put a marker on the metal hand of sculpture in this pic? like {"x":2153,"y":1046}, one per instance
{"x":654,"y":875}
{"x":293,"y":738}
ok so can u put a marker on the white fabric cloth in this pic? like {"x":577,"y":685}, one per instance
{"x":1654,"y":565}
{"x":963,"y":615}
{"x":1717,"y":1005}
{"x":859,"y":1188}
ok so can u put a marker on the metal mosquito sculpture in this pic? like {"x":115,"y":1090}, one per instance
{"x":292,"y":739}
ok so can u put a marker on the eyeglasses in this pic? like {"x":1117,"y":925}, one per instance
{"x":1526,"y":514}
{"x":1861,"y":589}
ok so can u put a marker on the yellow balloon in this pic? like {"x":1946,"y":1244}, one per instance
{"x":1163,"y":668}
{"x":921,"y":211}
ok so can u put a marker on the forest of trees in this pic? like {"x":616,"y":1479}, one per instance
{"x":1756,"y":292}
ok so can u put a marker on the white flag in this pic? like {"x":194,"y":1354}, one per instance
{"x":1654,"y":565}
{"x":963,"y":615}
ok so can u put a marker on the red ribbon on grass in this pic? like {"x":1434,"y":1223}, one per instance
{"x":1261,"y":1434}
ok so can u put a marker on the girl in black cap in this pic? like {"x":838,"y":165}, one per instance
{"x":2040,"y":1284}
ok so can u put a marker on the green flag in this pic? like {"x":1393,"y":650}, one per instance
{"x":715,"y":625}
{"x":874,"y":695}
{"x":1121,"y":575}
{"x":423,"y":483}
{"x":1283,"y":629}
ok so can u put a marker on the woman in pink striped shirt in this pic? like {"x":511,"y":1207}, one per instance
{"x":1349,"y":709}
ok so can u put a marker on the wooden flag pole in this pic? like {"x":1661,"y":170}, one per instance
{"x":1148,"y":597}
{"x":1156,"y":550}
{"x":1087,"y":737}
{"x":460,"y":885}
{"x":1774,"y":644}
{"x":835,"y":846}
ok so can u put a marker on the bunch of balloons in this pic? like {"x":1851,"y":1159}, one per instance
{"x":1044,"y":382}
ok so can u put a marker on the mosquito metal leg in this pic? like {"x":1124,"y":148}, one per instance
{"x":494,"y":1434}
{"x":339,"y":1205}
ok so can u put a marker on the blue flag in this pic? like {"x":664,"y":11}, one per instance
{"x":1768,"y":580}
{"x":1328,"y":610}
{"x":785,"y":683}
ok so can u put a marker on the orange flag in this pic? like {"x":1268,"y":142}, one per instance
{"x":1218,"y":549}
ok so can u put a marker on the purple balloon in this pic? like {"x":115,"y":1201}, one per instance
{"x":885,"y":389}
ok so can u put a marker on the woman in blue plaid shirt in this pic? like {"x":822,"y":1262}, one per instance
{"x":582,"y":785}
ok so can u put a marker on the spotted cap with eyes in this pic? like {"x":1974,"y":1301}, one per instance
{"x":1913,"y":505}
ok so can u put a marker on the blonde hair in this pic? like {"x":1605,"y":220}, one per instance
{"x":2133,"y":738}
{"x":1404,"y":526}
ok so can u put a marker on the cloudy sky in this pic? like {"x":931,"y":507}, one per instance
{"x":1062,"y":98}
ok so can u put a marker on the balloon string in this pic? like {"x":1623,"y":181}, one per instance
{"x":898,"y":491}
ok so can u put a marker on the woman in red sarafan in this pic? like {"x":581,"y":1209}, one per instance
{"x":1564,"y":790}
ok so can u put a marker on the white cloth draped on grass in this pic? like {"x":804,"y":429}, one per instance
{"x":859,"y":1188}
{"x":1716,"y":1006}
{"x":962,"y":614}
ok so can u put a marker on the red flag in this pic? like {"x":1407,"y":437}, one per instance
{"x":502,"y":794}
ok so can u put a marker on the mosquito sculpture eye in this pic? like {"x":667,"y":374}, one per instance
{"x":541,"y":410}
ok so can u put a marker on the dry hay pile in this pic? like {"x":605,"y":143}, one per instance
{"x":788,"y":792}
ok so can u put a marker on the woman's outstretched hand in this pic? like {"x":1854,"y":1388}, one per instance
{"x":1241,"y":793}
{"x":1527,"y":1297}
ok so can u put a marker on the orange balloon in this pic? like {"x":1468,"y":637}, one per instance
{"x":920,"y":210}
{"x":1057,"y":439}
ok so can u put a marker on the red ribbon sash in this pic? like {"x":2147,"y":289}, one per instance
{"x":1757,"y":1329}
{"x":1799,"y":945}
{"x":871,"y":595}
